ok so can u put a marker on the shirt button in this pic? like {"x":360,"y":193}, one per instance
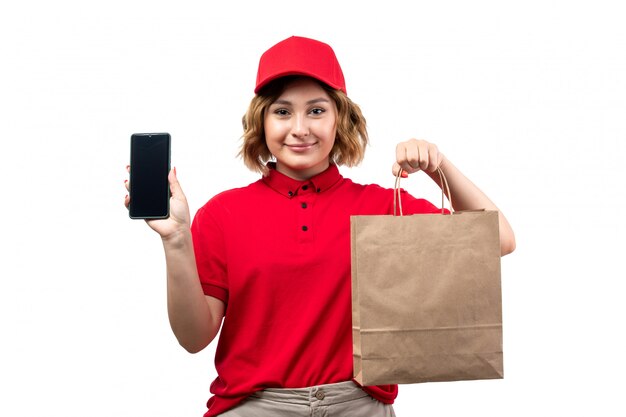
{"x":303,"y":205}
{"x":305,"y":187}
{"x":319,"y":190}
{"x":304,"y":228}
{"x":320,"y":395}
{"x":290,"y":193}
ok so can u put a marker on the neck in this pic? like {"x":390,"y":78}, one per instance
{"x":302,"y":174}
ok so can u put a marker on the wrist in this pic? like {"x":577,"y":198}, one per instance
{"x":177,"y":239}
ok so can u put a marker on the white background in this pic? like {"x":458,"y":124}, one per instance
{"x":527,"y":98}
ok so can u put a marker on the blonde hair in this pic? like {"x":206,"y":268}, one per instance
{"x":350,"y":142}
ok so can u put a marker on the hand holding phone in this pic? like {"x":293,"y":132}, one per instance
{"x":149,"y":169}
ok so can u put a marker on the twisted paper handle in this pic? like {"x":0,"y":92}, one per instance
{"x":397,"y":197}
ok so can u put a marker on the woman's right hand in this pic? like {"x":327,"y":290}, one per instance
{"x":179,"y":219}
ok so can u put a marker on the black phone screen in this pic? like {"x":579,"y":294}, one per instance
{"x":149,"y":168}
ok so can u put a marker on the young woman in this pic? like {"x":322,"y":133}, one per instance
{"x":269,"y":263}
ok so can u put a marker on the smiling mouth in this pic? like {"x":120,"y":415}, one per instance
{"x":300,"y":147}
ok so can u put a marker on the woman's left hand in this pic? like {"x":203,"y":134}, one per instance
{"x":417,"y":155}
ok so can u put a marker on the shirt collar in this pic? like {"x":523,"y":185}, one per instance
{"x":290,"y":187}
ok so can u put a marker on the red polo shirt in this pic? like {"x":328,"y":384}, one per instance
{"x":277,"y":252}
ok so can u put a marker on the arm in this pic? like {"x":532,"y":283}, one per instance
{"x":415,"y":155}
{"x":194,"y":318}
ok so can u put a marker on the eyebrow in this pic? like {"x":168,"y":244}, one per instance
{"x":313,"y":101}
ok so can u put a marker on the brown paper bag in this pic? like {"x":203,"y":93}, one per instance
{"x":426,"y":298}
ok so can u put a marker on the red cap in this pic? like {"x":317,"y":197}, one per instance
{"x":300,"y":56}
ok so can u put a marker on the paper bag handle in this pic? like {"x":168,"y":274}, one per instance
{"x":397,"y":197}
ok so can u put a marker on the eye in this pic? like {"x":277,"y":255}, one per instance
{"x":281,"y":112}
{"x":317,"y":111}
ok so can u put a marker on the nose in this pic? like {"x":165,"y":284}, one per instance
{"x":300,"y":127}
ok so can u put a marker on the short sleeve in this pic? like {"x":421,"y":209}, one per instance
{"x":210,"y":252}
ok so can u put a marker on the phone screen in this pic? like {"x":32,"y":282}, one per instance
{"x":149,"y":168}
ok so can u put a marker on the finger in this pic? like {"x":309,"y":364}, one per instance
{"x":433,"y":158}
{"x":395,"y":168}
{"x":424,"y":157}
{"x":413,"y":155}
{"x":400,"y":154}
{"x":126,"y":181}
{"x":175,"y":188}
{"x":403,"y":158}
{"x":127,"y":201}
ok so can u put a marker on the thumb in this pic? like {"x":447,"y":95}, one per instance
{"x":395,"y":168}
{"x":175,"y":187}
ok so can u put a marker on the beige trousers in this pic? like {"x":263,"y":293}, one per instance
{"x":344,"y":399}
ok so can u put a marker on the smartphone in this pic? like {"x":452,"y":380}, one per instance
{"x":149,"y":168}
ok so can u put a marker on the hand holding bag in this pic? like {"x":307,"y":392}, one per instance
{"x":426,"y":296}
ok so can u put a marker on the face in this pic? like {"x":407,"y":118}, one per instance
{"x":300,"y":129}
